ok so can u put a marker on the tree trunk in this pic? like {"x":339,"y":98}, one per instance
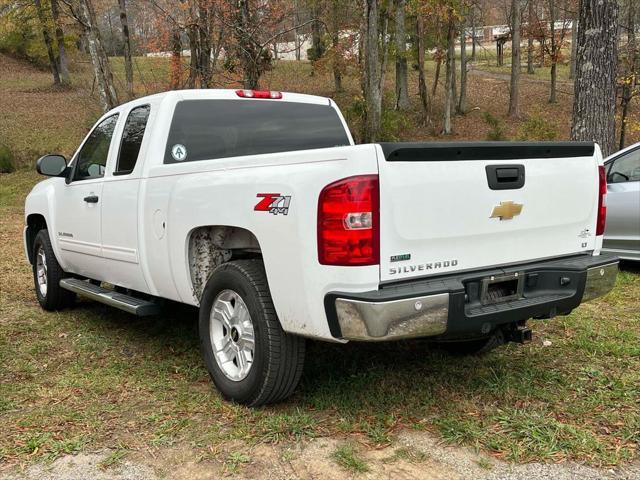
{"x":454,"y":77}
{"x":473,"y":33}
{"x":99,"y":59}
{"x":631,"y":76}
{"x":47,"y":41}
{"x":247,"y":50}
{"x":128,"y":65}
{"x":594,"y":101}
{"x":296,"y":40}
{"x":422,"y":82}
{"x":192,"y":34}
{"x":514,"y":95}
{"x":554,"y":81}
{"x":436,"y":76}
{"x":462,"y":100}
{"x":449,"y":75}
{"x":402,"y":83}
{"x":316,"y":46}
{"x":335,"y":44}
{"x":373,"y":94}
{"x":530,"y":69}
{"x":385,"y":51}
{"x":574,"y":47}
{"x":204,"y":45}
{"x":63,"y":67}
{"x":176,"y":52}
{"x":554,"y":52}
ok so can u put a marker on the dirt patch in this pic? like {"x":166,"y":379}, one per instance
{"x":415,"y":455}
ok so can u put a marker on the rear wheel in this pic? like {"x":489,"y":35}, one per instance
{"x":249,"y":357}
{"x":47,"y":274}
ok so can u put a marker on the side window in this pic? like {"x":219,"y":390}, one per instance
{"x":626,"y":168}
{"x":132,"y":139}
{"x":92,"y":157}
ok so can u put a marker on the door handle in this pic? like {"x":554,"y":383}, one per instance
{"x":91,"y":199}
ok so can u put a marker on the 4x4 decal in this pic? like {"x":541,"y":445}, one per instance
{"x":273,"y":203}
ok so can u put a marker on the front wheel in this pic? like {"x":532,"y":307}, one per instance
{"x":47,"y":274}
{"x":249,"y":357}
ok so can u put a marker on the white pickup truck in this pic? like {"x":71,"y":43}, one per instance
{"x":258,"y":208}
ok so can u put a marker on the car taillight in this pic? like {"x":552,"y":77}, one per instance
{"x":348,"y":222}
{"x":259,"y":94}
{"x":602,"y":207}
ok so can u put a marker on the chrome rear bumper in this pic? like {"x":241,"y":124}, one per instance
{"x":409,"y":318}
{"x":600,"y":281}
{"x":450,"y":306}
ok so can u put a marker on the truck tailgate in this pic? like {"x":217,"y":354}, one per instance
{"x":455,"y":206}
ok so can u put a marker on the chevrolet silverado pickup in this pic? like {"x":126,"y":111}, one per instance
{"x":258,"y":208}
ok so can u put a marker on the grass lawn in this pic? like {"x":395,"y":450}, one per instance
{"x":93,"y":377}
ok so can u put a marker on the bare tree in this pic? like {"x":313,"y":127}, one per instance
{"x":555,"y":51}
{"x":474,"y":40}
{"x":630,"y":81}
{"x":83,"y":12}
{"x":335,"y":45}
{"x":530,"y":19}
{"x":402,"y":84}
{"x":128,"y":66}
{"x":449,"y":74}
{"x":462,"y":99}
{"x":176,"y":52}
{"x":594,"y":103}
{"x":438,"y":56}
{"x":514,"y":94}
{"x":63,"y":67}
{"x":372,"y":72}
{"x":556,"y":41}
{"x":574,"y":46}
{"x":47,"y":41}
{"x":422,"y":82}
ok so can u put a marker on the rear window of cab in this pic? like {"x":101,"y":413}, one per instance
{"x":210,"y":129}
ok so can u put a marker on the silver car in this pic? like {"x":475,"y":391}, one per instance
{"x":622,"y":231}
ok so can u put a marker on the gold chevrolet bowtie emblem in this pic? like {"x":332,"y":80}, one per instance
{"x":506,"y":210}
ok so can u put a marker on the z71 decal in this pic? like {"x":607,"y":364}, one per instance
{"x":273,"y":203}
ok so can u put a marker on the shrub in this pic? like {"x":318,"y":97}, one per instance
{"x":392,"y":122}
{"x":496,"y":127}
{"x":537,"y":128}
{"x":391,"y":125}
{"x":7,"y":164}
{"x":355,"y":115}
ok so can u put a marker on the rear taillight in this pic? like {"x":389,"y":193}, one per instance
{"x":259,"y":94}
{"x":348,"y":222}
{"x":602,"y":206}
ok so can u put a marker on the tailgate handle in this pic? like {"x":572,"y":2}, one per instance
{"x":505,"y":177}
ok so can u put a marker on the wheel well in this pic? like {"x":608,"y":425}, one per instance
{"x":35,"y":223}
{"x":212,"y":245}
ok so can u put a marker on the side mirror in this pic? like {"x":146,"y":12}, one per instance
{"x":52,"y":165}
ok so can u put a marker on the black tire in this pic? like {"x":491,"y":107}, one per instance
{"x":474,"y":347}
{"x":55,"y":298}
{"x":278,"y":357}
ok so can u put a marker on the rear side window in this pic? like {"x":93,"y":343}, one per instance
{"x":209,"y":129}
{"x":132,"y":137}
